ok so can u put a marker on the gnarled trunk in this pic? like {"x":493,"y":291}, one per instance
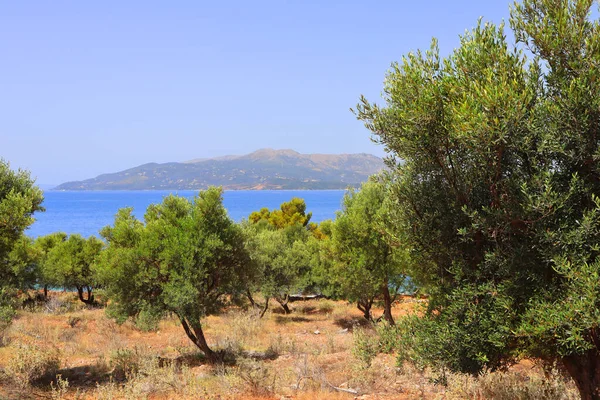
{"x":284,"y":303}
{"x":387,"y":304}
{"x":254,"y":303}
{"x":365,"y":305}
{"x":90,"y":297}
{"x":194,"y":332}
{"x":585,"y":371}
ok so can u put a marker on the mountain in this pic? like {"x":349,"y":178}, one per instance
{"x":263,"y":169}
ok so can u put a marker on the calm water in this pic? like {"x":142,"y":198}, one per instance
{"x":87,"y":212}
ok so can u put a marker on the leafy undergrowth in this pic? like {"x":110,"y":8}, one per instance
{"x":324,"y":350}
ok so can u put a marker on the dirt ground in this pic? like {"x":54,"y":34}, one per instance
{"x":63,"y":350}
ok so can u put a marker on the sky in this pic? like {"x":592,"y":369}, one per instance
{"x":94,"y":87}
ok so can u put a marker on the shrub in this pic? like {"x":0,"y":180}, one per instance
{"x":125,"y":362}
{"x":389,"y":337}
{"x":257,"y":376}
{"x":364,"y":348}
{"x":60,"y":389}
{"x":153,"y":377}
{"x":511,"y":385}
{"x":31,"y":362}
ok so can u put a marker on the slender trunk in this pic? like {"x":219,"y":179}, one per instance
{"x":194,"y":332}
{"x":364,"y":305}
{"x":387,"y":304}
{"x":585,"y":371}
{"x":284,"y":303}
{"x":265,"y":308}
{"x":46,"y":292}
{"x":250,"y":298}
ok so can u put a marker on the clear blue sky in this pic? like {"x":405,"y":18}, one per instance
{"x":93,"y":87}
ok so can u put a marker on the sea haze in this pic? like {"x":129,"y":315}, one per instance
{"x":86,"y":212}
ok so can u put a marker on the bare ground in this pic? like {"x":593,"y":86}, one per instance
{"x":63,"y":350}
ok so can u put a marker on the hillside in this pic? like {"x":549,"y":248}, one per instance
{"x":262,"y":169}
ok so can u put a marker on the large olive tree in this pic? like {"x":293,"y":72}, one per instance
{"x":187,"y":259}
{"x":496,"y":152}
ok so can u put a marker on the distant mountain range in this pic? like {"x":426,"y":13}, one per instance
{"x":263,"y":169}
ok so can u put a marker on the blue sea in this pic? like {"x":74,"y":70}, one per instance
{"x":88,"y":212}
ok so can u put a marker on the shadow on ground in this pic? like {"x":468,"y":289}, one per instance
{"x":352,"y":322}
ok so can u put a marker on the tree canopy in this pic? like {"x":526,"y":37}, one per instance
{"x":495,"y":151}
{"x":290,"y":213}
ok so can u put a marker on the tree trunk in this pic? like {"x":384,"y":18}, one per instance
{"x":364,"y":305}
{"x":90,"y":297}
{"x":196,"y":335}
{"x":387,"y":304}
{"x":265,"y":308}
{"x":46,"y":292}
{"x":284,"y":303}
{"x":250,"y":298}
{"x":585,"y":371}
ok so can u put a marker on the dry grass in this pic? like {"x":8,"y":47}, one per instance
{"x":309,"y":354}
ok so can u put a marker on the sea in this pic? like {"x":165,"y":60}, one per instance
{"x":86,"y":212}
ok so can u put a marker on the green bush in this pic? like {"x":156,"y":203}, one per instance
{"x":365,"y":347}
{"x":125,"y":362}
{"x":389,"y":337}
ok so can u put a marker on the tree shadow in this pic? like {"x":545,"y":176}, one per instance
{"x":287,"y":319}
{"x":350,"y":323}
{"x":83,"y":377}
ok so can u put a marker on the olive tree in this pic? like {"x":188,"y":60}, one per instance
{"x":42,"y":247}
{"x":281,"y":260}
{"x":70,"y":263}
{"x":495,"y":151}
{"x":367,"y":262}
{"x":19,"y":200}
{"x":187,"y":258}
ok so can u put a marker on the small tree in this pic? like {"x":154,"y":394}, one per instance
{"x":367,"y":262}
{"x":281,"y":261}
{"x":70,"y":263}
{"x":188,"y":258}
{"x":42,"y":246}
{"x":499,"y":184}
